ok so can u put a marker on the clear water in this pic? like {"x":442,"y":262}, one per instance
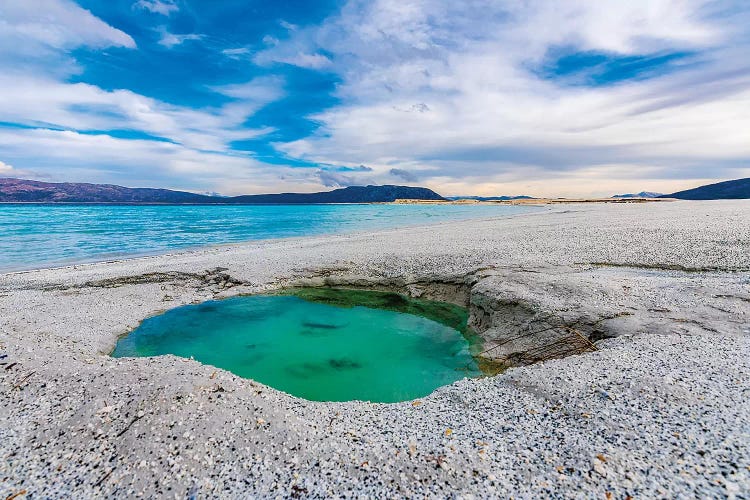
{"x":33,"y":236}
{"x":313,"y":350}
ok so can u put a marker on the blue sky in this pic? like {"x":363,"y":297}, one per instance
{"x":538,"y":97}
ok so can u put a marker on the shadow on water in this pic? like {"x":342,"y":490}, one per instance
{"x":344,"y":364}
{"x":321,"y":326}
{"x":450,"y":315}
{"x":307,"y":369}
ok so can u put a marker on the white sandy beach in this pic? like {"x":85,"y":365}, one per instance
{"x":659,"y":410}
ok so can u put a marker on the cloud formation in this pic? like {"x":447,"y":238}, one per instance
{"x":403,"y":174}
{"x":301,"y":59}
{"x":77,"y":131}
{"x":335,"y":179}
{"x":58,"y":24}
{"x":537,"y":97}
{"x":82,"y":107}
{"x":170,"y":40}
{"x":359,"y":168}
{"x":163,"y":7}
{"x":5,"y":169}
{"x":480,"y":111}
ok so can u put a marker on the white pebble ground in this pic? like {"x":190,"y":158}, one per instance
{"x":660,"y":410}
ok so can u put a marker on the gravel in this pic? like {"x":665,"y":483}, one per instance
{"x":660,"y":410}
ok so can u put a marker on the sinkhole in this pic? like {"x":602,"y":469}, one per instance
{"x":320,"y":344}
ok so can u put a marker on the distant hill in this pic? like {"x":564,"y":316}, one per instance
{"x":351,"y":194}
{"x":642,"y":194}
{"x":27,"y":191}
{"x":491,"y":198}
{"x":727,"y":190}
{"x":20,"y":190}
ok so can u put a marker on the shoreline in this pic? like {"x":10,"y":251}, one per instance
{"x":533,"y":201}
{"x":189,"y":249}
{"x":81,"y":422}
{"x":199,"y":248}
{"x":399,"y":201}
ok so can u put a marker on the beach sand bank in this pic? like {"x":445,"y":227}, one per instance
{"x":660,"y":409}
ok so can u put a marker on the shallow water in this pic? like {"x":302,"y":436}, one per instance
{"x":313,"y":350}
{"x":34,"y":236}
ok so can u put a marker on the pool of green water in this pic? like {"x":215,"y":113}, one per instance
{"x":321,"y":345}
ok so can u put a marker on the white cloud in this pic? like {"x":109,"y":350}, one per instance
{"x":61,"y":123}
{"x":68,"y":155}
{"x":48,"y":103}
{"x":170,"y":40}
{"x":270,"y":40}
{"x":448,"y":91}
{"x":60,"y":24}
{"x":237,"y":53}
{"x":61,"y":135}
{"x":310,"y":61}
{"x":288,"y":26}
{"x":262,"y":89}
{"x":301,"y":59}
{"x":163,"y":7}
{"x":5,"y":169}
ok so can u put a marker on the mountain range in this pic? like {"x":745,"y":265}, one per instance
{"x":28,"y":191}
{"x":642,"y":194}
{"x":727,"y":190}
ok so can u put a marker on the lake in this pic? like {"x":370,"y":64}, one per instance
{"x":35,"y":236}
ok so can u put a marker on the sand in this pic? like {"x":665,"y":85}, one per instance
{"x":660,"y":409}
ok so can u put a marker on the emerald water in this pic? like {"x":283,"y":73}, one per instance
{"x":319,"y":345}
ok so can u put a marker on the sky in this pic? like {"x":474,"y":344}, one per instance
{"x":478,"y":97}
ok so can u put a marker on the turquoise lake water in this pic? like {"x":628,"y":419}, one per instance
{"x":313,"y":350}
{"x":33,"y":236}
